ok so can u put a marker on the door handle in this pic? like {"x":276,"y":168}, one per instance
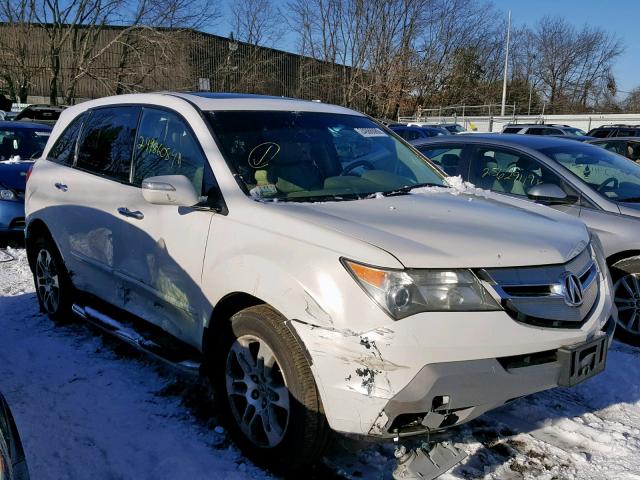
{"x":61,"y":186}
{"x":125,"y":212}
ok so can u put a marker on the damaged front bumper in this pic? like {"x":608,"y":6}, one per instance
{"x":447,"y":394}
{"x":431,"y":372}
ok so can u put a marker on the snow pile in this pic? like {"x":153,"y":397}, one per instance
{"x":15,"y":276}
{"x":87,"y":407}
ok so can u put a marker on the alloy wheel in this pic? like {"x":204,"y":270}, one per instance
{"x":47,"y":281}
{"x":257,"y":391}
{"x":627,"y":298}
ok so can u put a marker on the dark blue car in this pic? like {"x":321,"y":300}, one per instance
{"x":20,"y":144}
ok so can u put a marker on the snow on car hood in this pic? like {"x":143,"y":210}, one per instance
{"x":441,"y":228}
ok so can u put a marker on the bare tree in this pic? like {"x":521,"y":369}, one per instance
{"x":19,"y":61}
{"x":257,"y":22}
{"x":574,"y":66}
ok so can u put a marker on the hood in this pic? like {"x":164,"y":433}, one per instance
{"x":448,"y":230}
{"x":14,"y":174}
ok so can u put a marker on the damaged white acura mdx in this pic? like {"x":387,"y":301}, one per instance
{"x":319,"y":270}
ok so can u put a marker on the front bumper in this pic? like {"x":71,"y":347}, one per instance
{"x":385,"y":381}
{"x":11,"y":216}
{"x":446,"y":394}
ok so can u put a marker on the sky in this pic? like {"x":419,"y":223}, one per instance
{"x":621,"y":17}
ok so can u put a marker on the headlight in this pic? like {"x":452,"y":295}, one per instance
{"x":406,"y":292}
{"x":7,"y":195}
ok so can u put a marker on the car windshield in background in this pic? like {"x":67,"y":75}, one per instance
{"x":575,"y":132}
{"x":614,"y":176}
{"x":26,"y":143}
{"x":307,"y":156}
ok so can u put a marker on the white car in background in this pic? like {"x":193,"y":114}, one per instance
{"x":281,"y":243}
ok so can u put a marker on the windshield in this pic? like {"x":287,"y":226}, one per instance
{"x":27,"y":143}
{"x":575,"y":132}
{"x":306,"y":156}
{"x":616,"y":177}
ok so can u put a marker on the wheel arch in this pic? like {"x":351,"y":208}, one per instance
{"x":226,"y":308}
{"x":36,"y":228}
{"x":619,"y":256}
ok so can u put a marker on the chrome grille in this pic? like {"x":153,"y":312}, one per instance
{"x":535,"y":295}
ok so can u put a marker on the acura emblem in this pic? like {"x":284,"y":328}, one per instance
{"x":572,"y":289}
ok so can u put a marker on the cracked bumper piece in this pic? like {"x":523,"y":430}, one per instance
{"x":446,"y":394}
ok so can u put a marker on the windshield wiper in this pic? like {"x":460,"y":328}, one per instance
{"x":407,"y":188}
{"x":629,"y":200}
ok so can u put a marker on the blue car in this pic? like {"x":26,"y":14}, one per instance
{"x":20,"y":144}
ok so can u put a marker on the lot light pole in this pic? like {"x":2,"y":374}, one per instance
{"x":506,"y":67}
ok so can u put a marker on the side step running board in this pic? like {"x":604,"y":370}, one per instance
{"x":189,"y":366}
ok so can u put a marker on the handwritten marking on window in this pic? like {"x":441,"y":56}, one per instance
{"x":154,"y":147}
{"x":261,"y":155}
{"x":519,"y":175}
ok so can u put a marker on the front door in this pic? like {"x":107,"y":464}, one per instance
{"x":164,"y":267}
{"x":511,"y":172}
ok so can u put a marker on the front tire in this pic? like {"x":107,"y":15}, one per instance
{"x":626,"y":290}
{"x":266,"y":393}
{"x":52,"y":281}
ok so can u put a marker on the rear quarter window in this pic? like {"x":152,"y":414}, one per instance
{"x":64,"y":150}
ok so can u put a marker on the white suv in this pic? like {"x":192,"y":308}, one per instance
{"x":324,"y":272}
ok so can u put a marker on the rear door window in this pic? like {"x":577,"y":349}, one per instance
{"x":512,"y":130}
{"x":625,"y":132}
{"x":107,"y":141}
{"x":166,"y":146}
{"x":64,"y":150}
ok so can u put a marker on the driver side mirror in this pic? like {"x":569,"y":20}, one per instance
{"x":169,"y":190}
{"x":550,"y":193}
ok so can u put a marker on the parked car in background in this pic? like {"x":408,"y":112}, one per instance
{"x":452,"y":128}
{"x":598,"y":187}
{"x":8,"y":116}
{"x":545,"y":129}
{"x":318,"y":290}
{"x":414,"y":133}
{"x":626,"y":146}
{"x":46,"y":114}
{"x":13,"y":465}
{"x":615,"y":131}
{"x":20,"y":143}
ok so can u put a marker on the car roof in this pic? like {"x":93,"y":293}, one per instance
{"x":612,"y":139}
{"x":208,"y":101}
{"x":542,"y":125}
{"x":534,"y":142}
{"x":20,"y":125}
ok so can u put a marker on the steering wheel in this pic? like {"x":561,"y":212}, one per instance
{"x":611,"y":180}
{"x":358,"y":163}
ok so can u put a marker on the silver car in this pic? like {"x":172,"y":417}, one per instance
{"x":598,"y":186}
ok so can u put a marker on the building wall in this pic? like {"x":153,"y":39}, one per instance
{"x":145,"y":60}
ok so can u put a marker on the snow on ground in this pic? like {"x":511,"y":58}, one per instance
{"x":88,"y":407}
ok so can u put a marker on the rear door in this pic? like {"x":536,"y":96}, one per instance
{"x":163,"y":267}
{"x":87,"y":219}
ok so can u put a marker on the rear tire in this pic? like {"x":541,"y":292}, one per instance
{"x":52,"y":281}
{"x":266,"y":393}
{"x":626,"y":289}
